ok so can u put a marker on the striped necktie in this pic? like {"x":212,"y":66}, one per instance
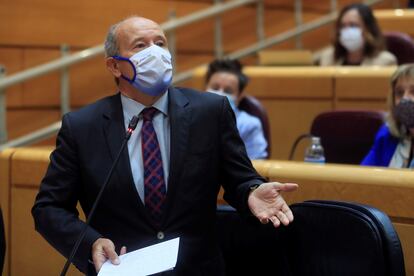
{"x":154,"y":185}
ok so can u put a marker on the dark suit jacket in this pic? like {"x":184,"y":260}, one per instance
{"x":206,"y":151}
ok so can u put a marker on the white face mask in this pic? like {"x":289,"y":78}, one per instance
{"x":152,"y":70}
{"x":231,"y":98}
{"x":351,"y":38}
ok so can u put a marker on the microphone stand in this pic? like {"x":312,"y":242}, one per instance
{"x":131,"y":127}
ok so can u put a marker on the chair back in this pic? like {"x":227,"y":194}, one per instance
{"x":253,"y":106}
{"x":342,"y":238}
{"x":326,"y":238}
{"x":248,"y":247}
{"x":347,"y":135}
{"x":401,"y":45}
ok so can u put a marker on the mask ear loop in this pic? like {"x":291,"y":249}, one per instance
{"x":158,"y":86}
{"x":133,"y":68}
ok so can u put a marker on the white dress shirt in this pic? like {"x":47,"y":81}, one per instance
{"x":161,"y":125}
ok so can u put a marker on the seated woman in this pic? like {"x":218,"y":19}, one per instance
{"x":393,"y":146}
{"x":225,"y":77}
{"x":358,"y":40}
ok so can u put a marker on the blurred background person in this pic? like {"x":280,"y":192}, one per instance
{"x":358,"y":40}
{"x":225,"y":77}
{"x":393,"y":146}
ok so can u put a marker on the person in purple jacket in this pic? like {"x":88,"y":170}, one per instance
{"x":393,"y":146}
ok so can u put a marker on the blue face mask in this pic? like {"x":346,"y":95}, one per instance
{"x":152,"y":70}
{"x":229,"y":97}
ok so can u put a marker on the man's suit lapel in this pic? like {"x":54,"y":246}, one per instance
{"x":179,"y":112}
{"x":114,"y":131}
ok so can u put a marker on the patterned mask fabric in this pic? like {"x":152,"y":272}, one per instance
{"x":404,"y":112}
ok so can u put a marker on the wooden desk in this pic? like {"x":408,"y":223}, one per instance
{"x":5,"y":183}
{"x":362,"y":87}
{"x":401,"y":20}
{"x":30,"y":253}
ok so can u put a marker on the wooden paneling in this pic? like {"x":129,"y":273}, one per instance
{"x":362,"y":105}
{"x":23,"y":121}
{"x":321,"y":5}
{"x":288,"y":120}
{"x":363,"y":83}
{"x":406,"y":234}
{"x":44,"y":90}
{"x":290,"y":82}
{"x":396,"y":20}
{"x":5,"y":198}
{"x":187,"y":61}
{"x":29,"y":166}
{"x":318,"y":38}
{"x":285,"y":57}
{"x":389,"y":4}
{"x":31,"y":254}
{"x":90,"y":81}
{"x":80,"y":23}
{"x":12,"y":60}
{"x":282,"y":82}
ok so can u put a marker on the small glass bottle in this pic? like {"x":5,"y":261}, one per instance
{"x":314,"y":153}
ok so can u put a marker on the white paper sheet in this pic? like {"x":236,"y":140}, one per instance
{"x":145,"y":261}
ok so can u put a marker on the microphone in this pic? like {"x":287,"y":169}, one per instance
{"x":131,"y":127}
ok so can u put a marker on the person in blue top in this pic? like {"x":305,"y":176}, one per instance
{"x":225,"y":77}
{"x":393,"y":146}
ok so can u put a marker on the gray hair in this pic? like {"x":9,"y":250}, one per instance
{"x":111,"y":44}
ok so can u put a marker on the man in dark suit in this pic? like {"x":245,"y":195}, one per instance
{"x":185,"y":145}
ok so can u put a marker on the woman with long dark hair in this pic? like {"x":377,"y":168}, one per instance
{"x":358,"y":40}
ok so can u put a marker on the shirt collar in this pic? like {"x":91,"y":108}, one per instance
{"x":132,"y":107}
{"x":401,"y":154}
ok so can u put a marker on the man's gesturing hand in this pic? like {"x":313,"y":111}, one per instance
{"x":103,"y":249}
{"x":267,"y":203}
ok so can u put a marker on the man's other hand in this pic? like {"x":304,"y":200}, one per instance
{"x":266,"y":203}
{"x":103,"y":249}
